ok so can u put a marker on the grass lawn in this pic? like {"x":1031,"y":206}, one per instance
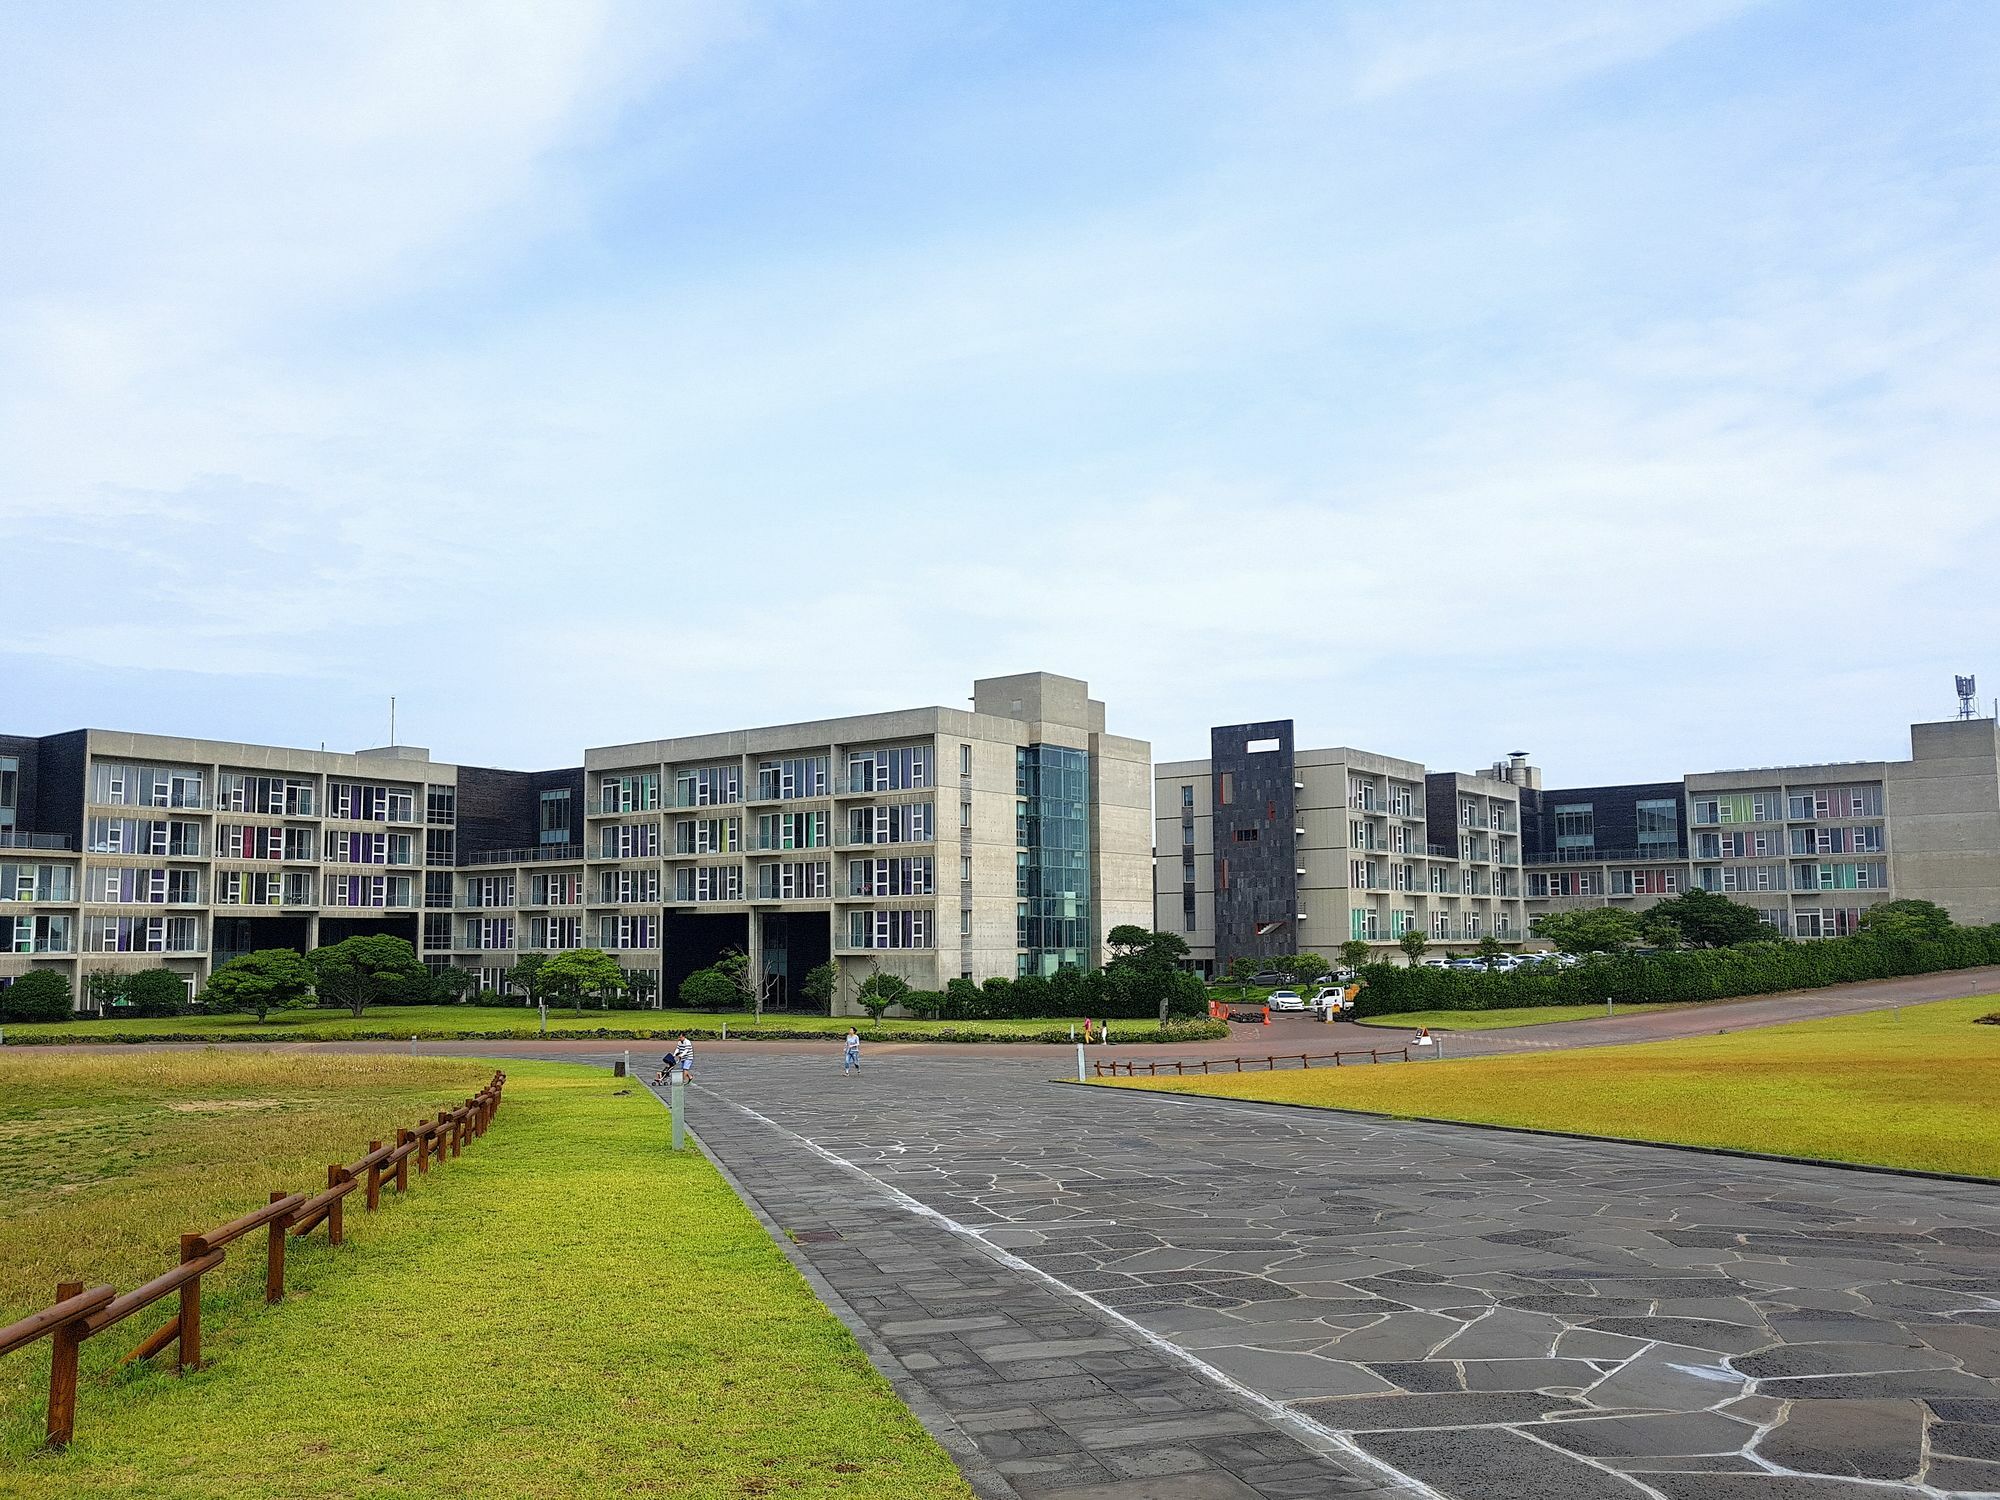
{"x":516,"y":1022}
{"x":1519,"y":1015}
{"x":1922,"y":1091}
{"x":568,"y":1309}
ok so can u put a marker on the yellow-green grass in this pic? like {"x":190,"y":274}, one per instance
{"x":1918,"y":1091}
{"x":515,"y":1022}
{"x":1516,"y":1015}
{"x":569,"y":1309}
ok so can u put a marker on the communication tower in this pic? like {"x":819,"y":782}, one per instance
{"x":1968,"y":689}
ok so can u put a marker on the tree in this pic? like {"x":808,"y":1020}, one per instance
{"x":106,"y":989}
{"x":1308,"y":968}
{"x":259,"y":983}
{"x":1413,"y":944}
{"x":1489,"y":948}
{"x":579,"y":972}
{"x":642,"y":985}
{"x":1702,"y":919}
{"x":157,"y":992}
{"x":818,"y":985}
{"x":1919,"y":921}
{"x":526,"y":976}
{"x":1354,"y":953}
{"x":361,"y":971}
{"x":38,"y":995}
{"x":1144,"y":963}
{"x":879,"y":991}
{"x":1241,"y":971}
{"x":710,"y":989}
{"x":452,"y":985}
{"x":1590,"y":929}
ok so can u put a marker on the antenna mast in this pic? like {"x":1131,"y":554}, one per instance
{"x":392,"y":718}
{"x":1968,"y":689}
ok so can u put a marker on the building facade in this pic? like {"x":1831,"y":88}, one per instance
{"x":1266,"y":850}
{"x":930,"y":843}
{"x":1810,"y":847}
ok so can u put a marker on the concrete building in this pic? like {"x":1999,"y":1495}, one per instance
{"x":932,"y":843}
{"x":1267,"y":850}
{"x":1810,"y":847}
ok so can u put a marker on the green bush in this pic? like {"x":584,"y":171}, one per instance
{"x":710,"y":989}
{"x":1759,"y":968}
{"x":1118,"y":994}
{"x":38,"y":995}
{"x":157,"y":992}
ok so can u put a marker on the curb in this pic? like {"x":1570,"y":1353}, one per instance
{"x":987,"y":1482}
{"x":1916,"y":1173}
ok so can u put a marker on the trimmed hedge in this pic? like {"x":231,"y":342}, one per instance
{"x":1118,"y":994}
{"x":1699,"y":974}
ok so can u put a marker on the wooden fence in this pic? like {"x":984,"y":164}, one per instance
{"x":1226,"y":1064}
{"x":80,"y":1312}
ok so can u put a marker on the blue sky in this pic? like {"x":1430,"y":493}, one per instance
{"x":1618,"y":382}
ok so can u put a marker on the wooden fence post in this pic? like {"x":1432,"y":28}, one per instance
{"x":335,"y":1175}
{"x":274,"y":1257}
{"x":188,"y":1355}
{"x":423,"y":1148}
{"x":64,"y":1343}
{"x":374,"y":1178}
{"x":402,"y":1162}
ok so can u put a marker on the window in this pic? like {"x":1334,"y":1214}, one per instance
{"x":564,"y":889}
{"x":439,"y":846}
{"x":1187,"y":870}
{"x":800,"y":830}
{"x":1187,"y":796}
{"x":802,"y":881}
{"x":900,"y":823}
{"x":708,"y":883}
{"x":709,"y":836}
{"x":24,"y":882}
{"x":895,"y":770}
{"x":889,"y":877}
{"x":965,"y":815}
{"x":965,"y":760}
{"x":489,"y":932}
{"x":1246,"y":835}
{"x":437,"y":931}
{"x":1187,"y":835}
{"x":965,"y":869}
{"x":10,"y":788}
{"x":629,"y":840}
{"x":1658,"y":822}
{"x":797,"y":776}
{"x":437,"y":889}
{"x":629,"y":887}
{"x":708,"y":786}
{"x":556,"y":934}
{"x":638,"y":791}
{"x":489,"y":890}
{"x":1187,"y":912}
{"x":965,"y":921}
{"x":554,"y":824}
{"x":888,"y":929}
{"x":146,"y":786}
{"x":1576,"y":825}
{"x":441,"y":806}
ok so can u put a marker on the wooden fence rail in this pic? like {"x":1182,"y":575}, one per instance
{"x":78,"y":1312}
{"x":1271,"y":1061}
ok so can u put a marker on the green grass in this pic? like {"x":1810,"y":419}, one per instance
{"x":516,"y":1022}
{"x":1920,"y":1090}
{"x":569,"y":1309}
{"x":1517,"y":1015}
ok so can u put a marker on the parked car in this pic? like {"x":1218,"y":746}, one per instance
{"x":1269,"y":976}
{"x":1435,"y":963}
{"x":1469,"y":963}
{"x":1285,"y":1000}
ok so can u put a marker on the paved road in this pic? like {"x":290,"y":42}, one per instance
{"x":1110,"y":1296}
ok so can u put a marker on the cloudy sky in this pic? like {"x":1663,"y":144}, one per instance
{"x":1617,"y":382}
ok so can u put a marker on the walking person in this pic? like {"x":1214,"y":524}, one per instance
{"x":850,"y":1055}
{"x":684,"y":1056}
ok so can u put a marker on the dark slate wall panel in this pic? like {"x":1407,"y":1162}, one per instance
{"x":1256,"y":848}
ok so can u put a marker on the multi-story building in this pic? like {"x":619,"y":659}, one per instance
{"x":932,"y":843}
{"x":1266,"y":850}
{"x":1810,"y":847}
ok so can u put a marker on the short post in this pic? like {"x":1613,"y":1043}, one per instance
{"x":374,"y":1178}
{"x":274,"y":1256}
{"x":676,"y":1097}
{"x":63,"y":1346}
{"x":423,"y":1147}
{"x":1607,"y":1005}
{"x":188,"y":1355}
{"x":336,"y":1174}
{"x":413,"y":1044}
{"x":544,"y":1006}
{"x":725,"y":1031}
{"x":1079,"y":1056}
{"x":625,"y":1067}
{"x":402,"y":1162}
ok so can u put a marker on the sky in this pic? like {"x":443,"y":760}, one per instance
{"x":1616,"y":382}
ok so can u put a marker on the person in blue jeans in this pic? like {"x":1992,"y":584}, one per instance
{"x":850,"y":1057}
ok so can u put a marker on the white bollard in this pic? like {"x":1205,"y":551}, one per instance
{"x":676,"y":1095}
{"x":1079,"y":1058}
{"x":413,"y":1044}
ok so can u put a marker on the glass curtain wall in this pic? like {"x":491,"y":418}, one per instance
{"x":1052,"y":821}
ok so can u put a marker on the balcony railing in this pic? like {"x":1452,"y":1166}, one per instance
{"x":11,"y":839}
{"x":532,"y":855}
{"x":1653,"y":853}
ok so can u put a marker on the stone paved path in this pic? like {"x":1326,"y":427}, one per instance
{"x":1205,"y":1300}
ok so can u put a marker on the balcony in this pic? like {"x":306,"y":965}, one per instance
{"x":1654,"y":853}
{"x":11,"y":839}
{"x":534,"y":854}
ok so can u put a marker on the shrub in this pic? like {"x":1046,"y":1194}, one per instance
{"x":157,"y":992}
{"x":710,"y":989}
{"x":928,"y":1004}
{"x":38,"y":995}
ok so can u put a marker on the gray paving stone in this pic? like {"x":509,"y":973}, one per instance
{"x":1441,"y":1409}
{"x":1482,"y":1463}
{"x":1670,"y":1378}
{"x":1860,"y":1439}
{"x":1681,"y":1433}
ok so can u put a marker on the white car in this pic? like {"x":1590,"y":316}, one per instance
{"x":1285,"y":1000}
{"x":1436,"y":963}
